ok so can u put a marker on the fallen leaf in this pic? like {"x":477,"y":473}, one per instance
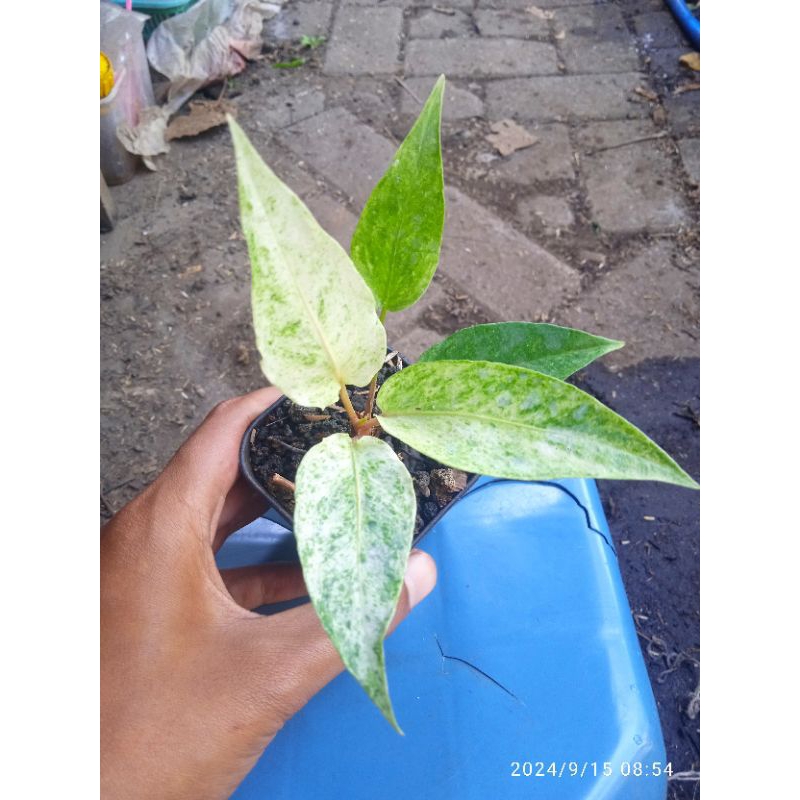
{"x":646,"y":93}
{"x":193,"y":270}
{"x":687,"y":87}
{"x":507,"y":137}
{"x":691,"y":60}
{"x":203,"y":115}
{"x":537,"y":12}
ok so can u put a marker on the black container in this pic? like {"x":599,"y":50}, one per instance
{"x":275,"y":503}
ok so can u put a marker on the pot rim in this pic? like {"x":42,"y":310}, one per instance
{"x":247,"y":470}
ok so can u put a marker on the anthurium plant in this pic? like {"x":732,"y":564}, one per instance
{"x":490,"y":399}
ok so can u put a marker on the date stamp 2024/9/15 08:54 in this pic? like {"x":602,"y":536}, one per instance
{"x":589,"y":769}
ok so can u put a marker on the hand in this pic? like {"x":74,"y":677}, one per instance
{"x":194,"y":685}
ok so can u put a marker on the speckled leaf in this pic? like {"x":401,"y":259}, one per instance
{"x":511,"y":422}
{"x":354,"y":520}
{"x":546,"y":348}
{"x":314,"y":317}
{"x":396,"y":242}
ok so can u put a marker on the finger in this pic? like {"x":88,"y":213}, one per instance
{"x":252,"y":587}
{"x":205,"y":468}
{"x":242,"y":505}
{"x":309,"y":660}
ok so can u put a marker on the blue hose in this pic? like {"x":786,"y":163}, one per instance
{"x":688,"y":21}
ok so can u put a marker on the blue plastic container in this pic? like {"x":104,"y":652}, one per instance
{"x":522,"y":662}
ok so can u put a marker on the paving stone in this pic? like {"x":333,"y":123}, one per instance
{"x":659,"y":29}
{"x":334,"y":217}
{"x":433,"y":25}
{"x":565,"y":96}
{"x":550,"y":159}
{"x":595,"y":39}
{"x":458,"y":103}
{"x":414,"y":343}
{"x":683,"y":113}
{"x":285,"y":108}
{"x":507,"y":273}
{"x":364,"y":41}
{"x":472,"y":57}
{"x":690,"y":155}
{"x":543,"y":4}
{"x":407,"y":3}
{"x":481,"y":254}
{"x":299,"y":19}
{"x":402,"y":322}
{"x":648,"y":302}
{"x":510,"y":22}
{"x":552,"y":212}
{"x":630,"y":186}
{"x":346,"y":152}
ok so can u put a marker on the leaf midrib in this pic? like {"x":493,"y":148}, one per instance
{"x":303,"y":300}
{"x":557,"y":432}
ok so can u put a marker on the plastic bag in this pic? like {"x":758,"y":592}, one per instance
{"x":213,"y":40}
{"x":132,"y":91}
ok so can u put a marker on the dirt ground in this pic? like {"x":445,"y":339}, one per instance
{"x":176,"y":335}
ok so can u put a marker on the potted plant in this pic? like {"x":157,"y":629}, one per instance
{"x":355,"y":423}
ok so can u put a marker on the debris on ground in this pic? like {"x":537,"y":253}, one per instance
{"x":203,"y":115}
{"x":690,"y":60}
{"x":507,"y":137}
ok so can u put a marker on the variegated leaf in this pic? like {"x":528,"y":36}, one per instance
{"x":354,"y":521}
{"x":399,"y":233}
{"x":511,"y":422}
{"x":545,"y":348}
{"x":314,"y":317}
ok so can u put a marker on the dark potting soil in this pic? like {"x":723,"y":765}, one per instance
{"x":279,"y":443}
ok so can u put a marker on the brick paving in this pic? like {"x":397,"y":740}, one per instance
{"x":613,"y":175}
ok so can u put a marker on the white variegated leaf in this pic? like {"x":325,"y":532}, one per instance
{"x":314,"y":317}
{"x":354,"y":517}
{"x":512,"y":422}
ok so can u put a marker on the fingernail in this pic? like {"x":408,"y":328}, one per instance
{"x":420,"y":576}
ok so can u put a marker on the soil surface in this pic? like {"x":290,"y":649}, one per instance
{"x":279,"y":443}
{"x":656,"y":531}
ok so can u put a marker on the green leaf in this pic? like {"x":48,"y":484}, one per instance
{"x":354,"y":520}
{"x":311,"y":42}
{"x":546,"y":348}
{"x":293,"y":63}
{"x":314,"y":317}
{"x":511,"y":422}
{"x":397,"y":240}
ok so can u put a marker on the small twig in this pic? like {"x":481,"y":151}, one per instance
{"x":686,"y":87}
{"x":625,"y":144}
{"x":276,"y":440}
{"x":441,"y":10}
{"x":402,"y":83}
{"x":316,"y":417}
{"x":284,"y":483}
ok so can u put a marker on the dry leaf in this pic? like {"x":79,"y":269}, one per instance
{"x":507,"y":137}
{"x":203,"y":115}
{"x":687,"y":87}
{"x":646,"y":93}
{"x":193,"y":270}
{"x":691,"y":60}
{"x":537,"y":12}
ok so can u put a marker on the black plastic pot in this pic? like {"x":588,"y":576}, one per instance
{"x":275,"y":503}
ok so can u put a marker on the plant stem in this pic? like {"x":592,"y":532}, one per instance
{"x":348,"y":407}
{"x":278,"y":480}
{"x":367,"y":427}
{"x":374,"y":384}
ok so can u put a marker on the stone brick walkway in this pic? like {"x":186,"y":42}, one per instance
{"x":595,"y":225}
